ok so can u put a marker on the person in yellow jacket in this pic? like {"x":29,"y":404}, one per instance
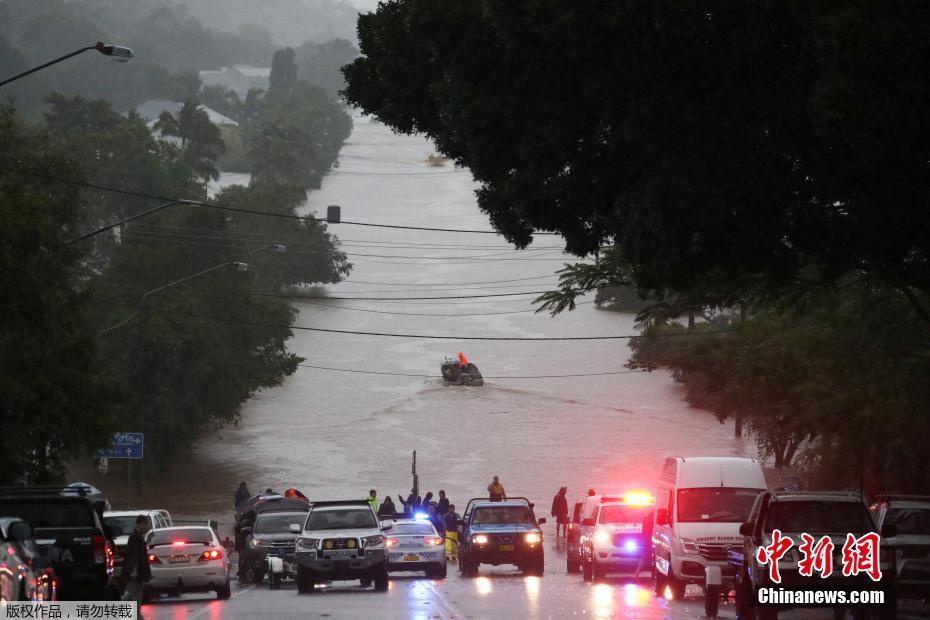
{"x":373,"y":500}
{"x":496,"y":490}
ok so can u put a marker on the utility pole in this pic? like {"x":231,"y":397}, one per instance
{"x":416,"y":478}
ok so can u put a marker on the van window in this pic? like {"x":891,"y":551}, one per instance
{"x":715,"y":504}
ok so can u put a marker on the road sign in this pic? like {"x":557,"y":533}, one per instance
{"x":123,"y":446}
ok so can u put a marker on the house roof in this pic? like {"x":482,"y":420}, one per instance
{"x":150,"y":111}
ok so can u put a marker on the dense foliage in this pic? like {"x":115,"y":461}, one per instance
{"x":763,"y":163}
{"x":86,"y":352}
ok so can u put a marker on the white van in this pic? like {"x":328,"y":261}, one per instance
{"x":700,"y":503}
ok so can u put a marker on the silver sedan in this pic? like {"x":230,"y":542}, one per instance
{"x":414,"y":545}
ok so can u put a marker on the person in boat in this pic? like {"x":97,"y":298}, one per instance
{"x":463,"y":361}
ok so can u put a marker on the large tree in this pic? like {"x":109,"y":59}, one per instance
{"x":55,"y":399}
{"x":738,"y":148}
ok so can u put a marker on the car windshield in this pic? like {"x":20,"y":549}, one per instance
{"x":342,"y":519}
{"x":818,"y":517}
{"x":502,"y":515}
{"x":716,"y":504}
{"x":188,"y":535}
{"x":278,"y":523}
{"x":120,"y":525}
{"x":910,"y":521}
{"x":50,"y":512}
{"x":413,"y":529}
{"x":624,"y":514}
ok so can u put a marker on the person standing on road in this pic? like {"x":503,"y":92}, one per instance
{"x":443,"y":506}
{"x":242,"y":494}
{"x":496,"y":490}
{"x":647,"y":557}
{"x":387,"y":509}
{"x":560,"y":511}
{"x":438,"y":522}
{"x":373,"y":500}
{"x":136,"y":569}
{"x":452,"y":533}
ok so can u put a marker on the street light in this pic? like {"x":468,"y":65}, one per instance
{"x":116,"y":52}
{"x":94,"y":233}
{"x":239,"y":266}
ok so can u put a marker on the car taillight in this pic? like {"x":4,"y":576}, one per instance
{"x":392,"y":542}
{"x":210,"y":554}
{"x":153,"y":559}
{"x":100,"y":548}
{"x":433,"y":541}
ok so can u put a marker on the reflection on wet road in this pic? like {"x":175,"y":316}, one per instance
{"x":498,"y":592}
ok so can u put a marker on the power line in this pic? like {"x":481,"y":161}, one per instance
{"x":397,"y":174}
{"x":404,"y":374}
{"x":430,"y":314}
{"x":447,"y":283}
{"x":436,"y":337}
{"x":208,"y":205}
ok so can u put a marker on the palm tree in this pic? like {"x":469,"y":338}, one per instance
{"x":201,"y":142}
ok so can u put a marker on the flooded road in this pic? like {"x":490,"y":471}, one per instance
{"x":334,"y":433}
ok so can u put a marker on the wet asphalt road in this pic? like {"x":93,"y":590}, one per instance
{"x":498,"y":592}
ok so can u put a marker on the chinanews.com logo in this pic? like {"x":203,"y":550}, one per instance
{"x":858,"y":556}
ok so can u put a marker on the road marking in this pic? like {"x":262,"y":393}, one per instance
{"x":209,"y":604}
{"x":450,"y":608}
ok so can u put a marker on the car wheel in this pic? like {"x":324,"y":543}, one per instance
{"x":712,"y":596}
{"x":659,"y":584}
{"x":744,"y":600}
{"x":677,"y":587}
{"x":225,"y":592}
{"x":439,"y":572}
{"x":381,"y":580}
{"x":304,"y":581}
{"x":570,"y":566}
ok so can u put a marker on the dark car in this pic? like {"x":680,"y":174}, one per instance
{"x":270,"y":535}
{"x":68,"y":531}
{"x":500,"y":532}
{"x":910,"y":516}
{"x":818,"y":514}
{"x":35,"y":578}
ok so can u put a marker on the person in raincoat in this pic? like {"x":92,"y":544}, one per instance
{"x":559,"y":511}
{"x":451,"y":519}
{"x":242,"y":494}
{"x":373,"y":500}
{"x":463,"y":361}
{"x":496,"y":490}
{"x":387,"y":509}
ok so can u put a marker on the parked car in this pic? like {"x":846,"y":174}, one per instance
{"x":187,"y":559}
{"x":700,"y":504}
{"x":36,"y":575}
{"x":119,"y":525}
{"x":818,"y":514}
{"x":342,"y":541}
{"x":910,"y":515}
{"x":500,"y":532}
{"x":270,"y":536}
{"x":616,"y":539}
{"x":68,"y":531}
{"x":415,"y":545}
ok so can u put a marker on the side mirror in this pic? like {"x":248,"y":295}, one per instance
{"x":387,"y":525}
{"x":245,"y":531}
{"x":294,"y":528}
{"x":587,"y":522}
{"x":541,"y":521}
{"x":20,"y":531}
{"x":745,"y":529}
{"x":662,"y":516}
{"x":889,"y":530}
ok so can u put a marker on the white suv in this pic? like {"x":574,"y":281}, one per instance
{"x":341,"y":541}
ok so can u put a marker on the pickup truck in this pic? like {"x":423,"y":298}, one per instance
{"x":69,"y":532}
{"x":818,"y":514}
{"x":500,"y":532}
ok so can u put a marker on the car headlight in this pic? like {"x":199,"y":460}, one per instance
{"x":689,"y":546}
{"x":308,"y":543}
{"x":373,"y":541}
{"x":257,"y":543}
{"x":533,"y":538}
{"x":479,"y":539}
{"x":601,"y":537}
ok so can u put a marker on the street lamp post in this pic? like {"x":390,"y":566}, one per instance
{"x":116,"y":52}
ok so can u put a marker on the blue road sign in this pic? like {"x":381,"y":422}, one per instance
{"x":123,"y":446}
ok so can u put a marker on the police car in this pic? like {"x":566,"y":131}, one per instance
{"x":617,"y":537}
{"x":415,"y":545}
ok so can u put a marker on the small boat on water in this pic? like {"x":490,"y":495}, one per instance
{"x":460,"y":372}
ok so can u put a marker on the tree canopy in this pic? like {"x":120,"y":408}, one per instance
{"x":735,"y":147}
